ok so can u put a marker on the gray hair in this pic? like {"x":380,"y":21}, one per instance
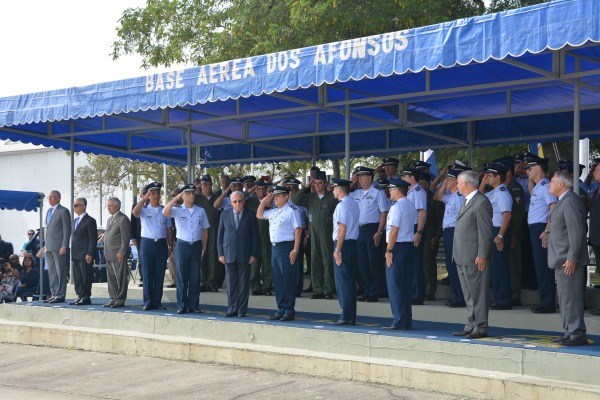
{"x":83,"y":200}
{"x":565,"y":177}
{"x":56,"y":193}
{"x":237,"y":193}
{"x":470,"y":178}
{"x":115,"y":201}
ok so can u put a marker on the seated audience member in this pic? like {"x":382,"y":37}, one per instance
{"x":30,"y":279}
{"x":8,"y":278}
{"x":6,"y":249}
{"x":15,"y":262}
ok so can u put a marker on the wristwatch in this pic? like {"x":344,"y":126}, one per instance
{"x":420,"y":232}
{"x":500,"y":236}
{"x":389,"y":251}
{"x":336,"y":250}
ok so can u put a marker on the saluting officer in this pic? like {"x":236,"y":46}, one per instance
{"x":344,"y":235}
{"x":321,"y":206}
{"x":399,"y":253}
{"x":540,"y":207}
{"x":156,"y":240}
{"x":212,"y":271}
{"x":418,"y":196}
{"x":373,"y":212}
{"x":292,"y":184}
{"x":192,"y":235}
{"x":285,"y":231}
{"x":495,"y":174}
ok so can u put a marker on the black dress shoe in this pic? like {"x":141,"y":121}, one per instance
{"x":287,"y":317}
{"x":256,"y":293}
{"x":560,"y":339}
{"x":275,"y":317}
{"x":417,"y":303}
{"x":595,"y":312}
{"x":48,"y":300}
{"x":499,"y":307}
{"x":231,"y":314}
{"x":461,"y":333}
{"x":84,"y":302}
{"x":582,"y":341}
{"x":391,"y":328}
{"x":317,"y":296}
{"x":476,"y":335}
{"x":371,"y":299}
{"x":75,"y":302}
{"x":150,"y":307}
{"x":107,"y":304}
{"x":182,"y":311}
{"x":329,"y":296}
{"x":117,"y":305}
{"x":242,"y":315}
{"x":197,"y":311}
{"x":542,"y":310}
{"x":57,"y":300}
{"x":171,"y":286}
{"x":342,"y":322}
{"x":309,"y":290}
{"x":452,"y":304}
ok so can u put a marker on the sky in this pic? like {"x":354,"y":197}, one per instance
{"x":54,"y":44}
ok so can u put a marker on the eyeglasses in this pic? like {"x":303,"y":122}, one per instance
{"x":77,"y":205}
{"x":236,"y":201}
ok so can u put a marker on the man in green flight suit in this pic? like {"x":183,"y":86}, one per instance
{"x":515,"y":255}
{"x":321,"y":205}
{"x":212,"y":271}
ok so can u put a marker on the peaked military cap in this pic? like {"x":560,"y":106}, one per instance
{"x":190,"y":187}
{"x":364,"y":170}
{"x":453,"y":173}
{"x":535,"y":160}
{"x":396,"y":183}
{"x":321,"y":176}
{"x":153,"y":186}
{"x":383,"y":183}
{"x":236,"y":181}
{"x":421,"y":165}
{"x":339,"y":182}
{"x":205,"y":178}
{"x":249,"y":178}
{"x":280,"y":190}
{"x":390,"y":161}
{"x":568,"y":165}
{"x":292,"y":181}
{"x":495,"y":168}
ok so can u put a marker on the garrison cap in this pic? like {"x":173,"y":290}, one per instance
{"x":339,"y":182}
{"x":152,"y":186}
{"x":205,"y":178}
{"x":280,"y":190}
{"x":495,"y":168}
{"x":321,"y":176}
{"x":390,"y":161}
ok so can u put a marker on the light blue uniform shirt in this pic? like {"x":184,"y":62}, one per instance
{"x":347,"y":213}
{"x":539,"y":208}
{"x":418,"y":196}
{"x":226,"y":203}
{"x":189,"y":225}
{"x":453,"y":202}
{"x":502,"y":202}
{"x":154,"y":223}
{"x":283,"y":223}
{"x":371,"y":204}
{"x":401,"y":215}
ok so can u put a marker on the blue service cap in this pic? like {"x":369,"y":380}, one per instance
{"x":292,"y":181}
{"x":339,"y":182}
{"x":507,"y":161}
{"x":382,"y":183}
{"x":280,"y":190}
{"x":535,"y":160}
{"x":408,"y":170}
{"x":396,"y":183}
{"x":249,"y":178}
{"x":260,"y":182}
{"x":390,"y":161}
{"x":205,"y":178}
{"x":190,"y":187}
{"x":364,"y":170}
{"x":421,"y":165}
{"x":152,"y":186}
{"x":321,"y":176}
{"x":236,"y":181}
{"x":495,"y":168}
{"x":568,"y":165}
{"x":453,"y":173}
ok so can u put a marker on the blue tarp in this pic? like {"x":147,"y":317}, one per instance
{"x":12,"y":200}
{"x":504,"y":77}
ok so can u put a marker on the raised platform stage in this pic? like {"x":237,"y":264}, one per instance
{"x":517,"y":360}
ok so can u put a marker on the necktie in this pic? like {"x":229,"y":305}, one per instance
{"x":49,"y":215}
{"x":463,"y":207}
{"x":77,"y":222}
{"x":237,"y":220}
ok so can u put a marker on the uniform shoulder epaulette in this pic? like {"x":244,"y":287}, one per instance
{"x":417,"y":189}
{"x":293,"y":206}
{"x":177,"y":206}
{"x":543,"y":183}
{"x":502,"y":189}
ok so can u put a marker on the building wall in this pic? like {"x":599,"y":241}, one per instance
{"x":38,"y":169}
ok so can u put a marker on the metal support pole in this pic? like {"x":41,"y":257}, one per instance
{"x":470,"y":141}
{"x":165,"y":188}
{"x":42,"y":259}
{"x":72,"y":147}
{"x":347,"y":135}
{"x":576,"y":134}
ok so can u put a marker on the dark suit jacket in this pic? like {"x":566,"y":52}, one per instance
{"x":58,"y":231}
{"x":84,"y":239}
{"x":237,"y":246}
{"x":473,"y":232}
{"x":595,"y":221}
{"x":566,"y":240}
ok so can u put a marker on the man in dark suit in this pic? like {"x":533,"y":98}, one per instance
{"x":58,"y":236}
{"x":116,"y":250}
{"x":83,"y":251}
{"x":568,"y":257}
{"x":237,"y":246}
{"x":471,"y":252}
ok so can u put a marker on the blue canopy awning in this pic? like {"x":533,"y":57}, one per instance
{"x":21,"y":201}
{"x":497,"y":78}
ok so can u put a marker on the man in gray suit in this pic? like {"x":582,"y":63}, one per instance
{"x":237,"y":247}
{"x":116,"y":250}
{"x":568,"y":257}
{"x":83,"y":252}
{"x":471,"y":252}
{"x":58,"y":236}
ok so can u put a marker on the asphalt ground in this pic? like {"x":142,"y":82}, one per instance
{"x":29,"y":372}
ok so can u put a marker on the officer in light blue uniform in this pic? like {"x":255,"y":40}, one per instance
{"x":223,"y":202}
{"x":373,"y":212}
{"x":399,"y":253}
{"x":542,"y":203}
{"x":285,"y":231}
{"x":501,"y":199}
{"x":418,"y":196}
{"x":345,"y":235}
{"x":293,"y":185}
{"x":157,"y":238}
{"x":448,"y":193}
{"x":192,"y":226}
